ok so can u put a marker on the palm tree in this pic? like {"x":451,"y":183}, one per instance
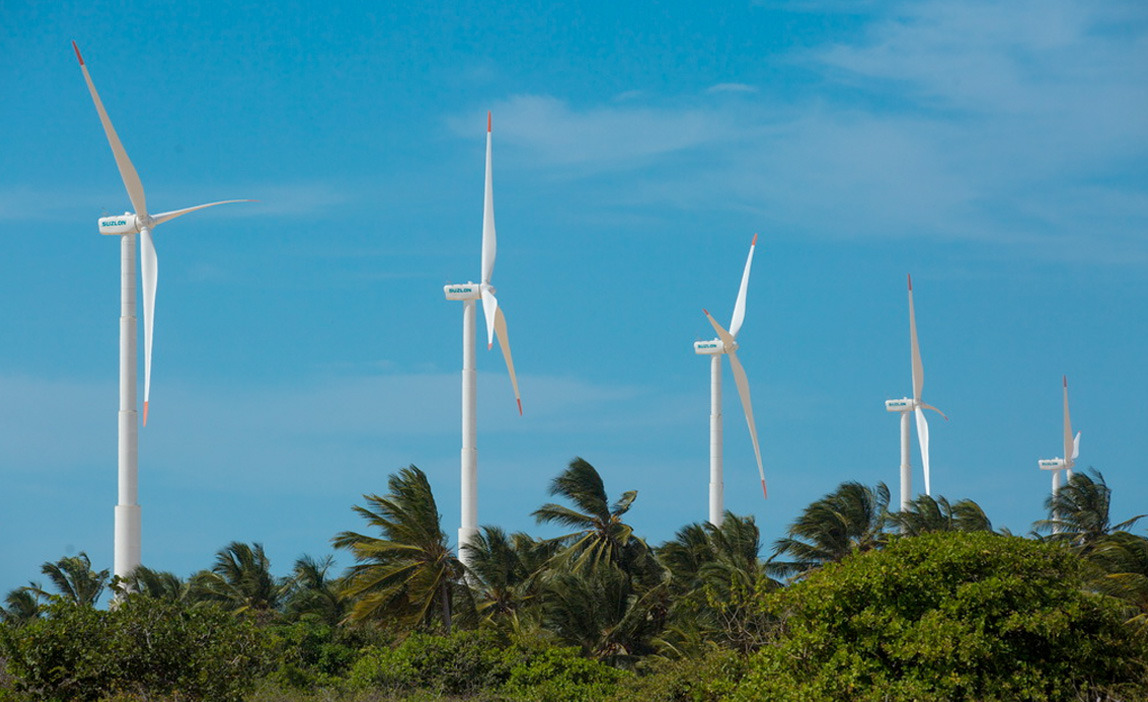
{"x":1123,"y":558}
{"x":926,"y":514}
{"x":403,"y":574}
{"x":701,"y":551}
{"x":313,"y":591}
{"x":241,"y":580}
{"x":1079,"y":512}
{"x":600,"y":536}
{"x":850,"y":519}
{"x":156,"y":584}
{"x":505,"y":572}
{"x":715,"y":575}
{"x":21,"y":605}
{"x":75,"y":580}
{"x":599,"y":610}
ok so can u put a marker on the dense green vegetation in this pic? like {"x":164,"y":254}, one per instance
{"x":855,"y":603}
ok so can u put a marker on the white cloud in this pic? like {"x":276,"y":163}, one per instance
{"x":604,"y":137}
{"x":1019,"y":124}
{"x":731,"y":88}
{"x":216,"y":430}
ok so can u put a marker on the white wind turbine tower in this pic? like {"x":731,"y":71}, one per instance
{"x":726,"y":345}
{"x":495,"y":327}
{"x":1071,"y":450}
{"x":126,"y":226}
{"x":915,"y":406}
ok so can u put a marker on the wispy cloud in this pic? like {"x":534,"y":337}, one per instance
{"x":366,"y":415}
{"x":606,"y":137}
{"x":1018,"y":124}
{"x":731,"y":88}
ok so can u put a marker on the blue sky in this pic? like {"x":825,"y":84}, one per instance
{"x":303,"y":348}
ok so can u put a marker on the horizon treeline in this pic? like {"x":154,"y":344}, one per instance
{"x":854,"y":602}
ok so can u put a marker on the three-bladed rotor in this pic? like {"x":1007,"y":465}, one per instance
{"x":1071,"y":445}
{"x":918,"y":385}
{"x":726,"y":344}
{"x":915,"y":404}
{"x":138,"y":222}
{"x":491,"y":312}
{"x":484,"y":291}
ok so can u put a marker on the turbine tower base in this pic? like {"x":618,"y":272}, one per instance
{"x":127,"y":546}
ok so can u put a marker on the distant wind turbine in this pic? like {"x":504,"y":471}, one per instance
{"x":915,"y":406}
{"x":1071,"y":449}
{"x":726,"y":345}
{"x":126,"y":226}
{"x":495,"y":327}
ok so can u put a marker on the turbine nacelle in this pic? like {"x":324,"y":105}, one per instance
{"x":119,"y":225}
{"x":905,"y":404}
{"x":463,"y":291}
{"x":712,"y":347}
{"x":1053,"y":464}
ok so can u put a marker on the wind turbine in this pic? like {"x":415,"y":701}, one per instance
{"x":915,"y":406}
{"x":1071,"y":449}
{"x":495,"y":327}
{"x":126,"y":226}
{"x":726,"y":345}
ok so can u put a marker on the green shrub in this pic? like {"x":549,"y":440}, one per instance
{"x":310,"y":653}
{"x":474,"y":665}
{"x":459,"y":664}
{"x":145,"y":647}
{"x":949,"y":617}
{"x":558,"y":675}
{"x":711,"y":677}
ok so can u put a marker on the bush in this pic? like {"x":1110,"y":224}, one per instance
{"x":143,"y":647}
{"x":473,"y":664}
{"x":558,"y":675}
{"x":711,"y":677}
{"x":458,"y":664}
{"x":949,"y":617}
{"x":310,"y":653}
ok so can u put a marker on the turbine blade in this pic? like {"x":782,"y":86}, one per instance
{"x":918,"y":369}
{"x":504,"y":344}
{"x":127,"y":170}
{"x":1068,"y":444}
{"x":489,"y":239}
{"x":726,"y":337}
{"x":1076,"y":447}
{"x":923,"y":439}
{"x":742,"y":390}
{"x":489,"y":311}
{"x":928,"y":406}
{"x":149,"y":272}
{"x":739,"y":306}
{"x":167,"y":216}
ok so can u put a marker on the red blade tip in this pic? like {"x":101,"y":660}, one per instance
{"x":910,"y":282}
{"x":763,"y":492}
{"x":754,"y":242}
{"x":519,"y":406}
{"x":145,"y":413}
{"x":1066,"y":381}
{"x":488,"y":122}
{"x":81,"y":58}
